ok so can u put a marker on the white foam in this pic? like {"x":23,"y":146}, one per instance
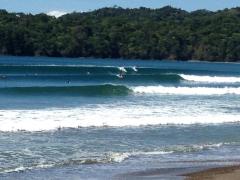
{"x":22,"y":168}
{"x":211,"y":79}
{"x":52,"y":119}
{"x":153,"y":153}
{"x":180,"y":148}
{"x":185,"y":90}
{"x":122,"y":69}
{"x":217,"y":145}
{"x":118,"y":157}
{"x":135,"y":68}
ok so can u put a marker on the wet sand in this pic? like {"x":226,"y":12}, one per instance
{"x":194,"y":173}
{"x":221,"y":173}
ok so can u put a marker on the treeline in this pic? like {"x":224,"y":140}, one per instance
{"x":143,"y":33}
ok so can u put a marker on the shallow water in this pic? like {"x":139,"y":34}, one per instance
{"x":105,"y":119}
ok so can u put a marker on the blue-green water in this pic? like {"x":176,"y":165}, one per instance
{"x":109,"y":119}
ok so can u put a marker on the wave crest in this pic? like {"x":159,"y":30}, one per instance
{"x":210,"y":79}
{"x":185,"y":90}
{"x":106,"y":89}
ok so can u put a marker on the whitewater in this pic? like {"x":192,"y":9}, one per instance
{"x":211,"y":79}
{"x":46,"y":120}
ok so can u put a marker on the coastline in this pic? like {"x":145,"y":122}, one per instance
{"x":219,"y":173}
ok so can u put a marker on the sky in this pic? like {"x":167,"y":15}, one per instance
{"x":58,"y":7}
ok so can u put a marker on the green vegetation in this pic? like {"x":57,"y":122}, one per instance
{"x":143,"y":33}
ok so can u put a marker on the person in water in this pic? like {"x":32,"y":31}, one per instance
{"x":121,"y":75}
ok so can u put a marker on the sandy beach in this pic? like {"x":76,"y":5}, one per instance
{"x":222,"y":173}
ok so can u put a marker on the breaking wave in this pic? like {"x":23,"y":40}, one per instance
{"x":211,"y":79}
{"x":185,"y":90}
{"x":56,"y":119}
{"x":110,"y":89}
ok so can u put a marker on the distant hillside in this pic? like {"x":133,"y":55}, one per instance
{"x":143,"y":33}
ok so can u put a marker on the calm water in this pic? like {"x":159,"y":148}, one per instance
{"x":112,"y":119}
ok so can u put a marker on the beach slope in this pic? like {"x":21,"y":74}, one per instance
{"x":222,"y":173}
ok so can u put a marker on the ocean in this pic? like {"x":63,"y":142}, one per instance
{"x":63,"y":118}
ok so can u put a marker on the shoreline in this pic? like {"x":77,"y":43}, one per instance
{"x":219,"y":173}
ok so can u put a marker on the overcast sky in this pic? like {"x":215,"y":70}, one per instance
{"x":37,"y":6}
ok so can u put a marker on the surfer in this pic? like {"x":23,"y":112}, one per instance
{"x":120,"y":75}
{"x":122,"y":72}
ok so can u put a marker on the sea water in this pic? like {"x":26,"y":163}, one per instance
{"x":115,"y":119}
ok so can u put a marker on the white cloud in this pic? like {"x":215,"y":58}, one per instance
{"x":56,"y":14}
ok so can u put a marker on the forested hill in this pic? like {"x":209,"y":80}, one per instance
{"x":143,"y":33}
